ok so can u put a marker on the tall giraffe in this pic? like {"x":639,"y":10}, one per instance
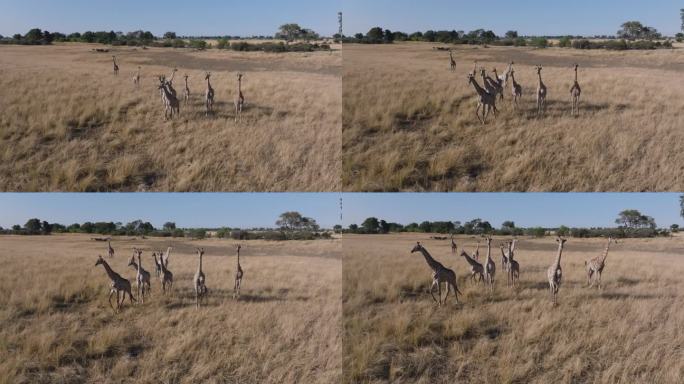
{"x":489,"y":267}
{"x":516,"y":90}
{"x":513,"y":265}
{"x":199,"y":281}
{"x":476,"y":269}
{"x":441,"y":274}
{"x":452,"y":62}
{"x":595,"y":265}
{"x":575,"y":93}
{"x":142,"y":277}
{"x":119,"y":284}
{"x":453,"y":244}
{"x":110,"y":250}
{"x":165,"y":276}
{"x":476,"y":254}
{"x":486,"y":100}
{"x":504,"y":256}
{"x":157,"y":266}
{"x":186,"y":91}
{"x":239,"y":99}
{"x":209,"y":95}
{"x":238,"y":275}
{"x":116,"y":66}
{"x":541,"y":93}
{"x":555,"y":272}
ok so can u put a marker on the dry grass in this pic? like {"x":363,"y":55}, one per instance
{"x":628,"y":333}
{"x":409,"y":123}
{"x":56,"y":324}
{"x":69,"y":124}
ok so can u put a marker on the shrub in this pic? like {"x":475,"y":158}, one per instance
{"x":565,"y":42}
{"x":222,"y":44}
{"x":540,"y":42}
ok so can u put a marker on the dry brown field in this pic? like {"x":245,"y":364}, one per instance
{"x":629,"y":332}
{"x":56,"y":325}
{"x":409,"y":123}
{"x":69,"y":124}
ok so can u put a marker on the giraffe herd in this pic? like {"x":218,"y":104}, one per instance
{"x":493,"y":89}
{"x":169,"y":98}
{"x":123,"y":288}
{"x":486,"y":272}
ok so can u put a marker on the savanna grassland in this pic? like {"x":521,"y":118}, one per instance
{"x":630,"y":332}
{"x":409,"y":123}
{"x":56,"y":325}
{"x":69,"y":124}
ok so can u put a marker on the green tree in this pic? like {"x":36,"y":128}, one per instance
{"x":337,"y":228}
{"x":170,"y":35}
{"x":384,"y":226}
{"x":508,"y":225}
{"x":375,"y":34}
{"x":674,"y":228}
{"x":290,"y":31}
{"x":45,"y":228}
{"x":371,"y":225}
{"x":632,"y":218}
{"x":34,"y":35}
{"x":290,"y":221}
{"x":33,"y":226}
{"x":169,"y":226}
{"x":512,"y":35}
{"x":563,"y":231}
{"x":353,"y":228}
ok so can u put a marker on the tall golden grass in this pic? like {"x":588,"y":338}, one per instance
{"x":409,"y":123}
{"x":69,"y":124}
{"x":630,"y":332}
{"x":57,"y":327}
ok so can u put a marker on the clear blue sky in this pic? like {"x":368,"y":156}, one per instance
{"x":525,"y":209}
{"x":190,"y":210}
{"x":188,"y":17}
{"x":528,"y":17}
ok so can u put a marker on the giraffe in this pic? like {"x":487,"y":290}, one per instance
{"x":504,"y":256}
{"x":116,"y":66}
{"x":142,"y":277}
{"x":498,"y":83}
{"x":119,"y":284}
{"x":476,"y":255}
{"x":441,"y":274}
{"x":136,"y":78}
{"x":165,"y":276}
{"x":166,"y":256}
{"x":209,"y":95}
{"x":486,"y":101}
{"x":239,"y":99}
{"x":489,"y":267}
{"x":186,"y":91}
{"x":157,"y":266}
{"x":503,"y":79}
{"x":171,"y":104}
{"x":199,"y":281}
{"x":575,"y":93}
{"x":513,"y":265}
{"x":474,"y":73}
{"x":110,"y":250}
{"x":169,"y":83}
{"x":555,"y":273}
{"x":476,"y":269}
{"x":238,"y":275}
{"x":453,"y":244}
{"x":452,"y":62}
{"x":516,"y":90}
{"x":541,"y":93}
{"x":594,"y":266}
{"x":488,"y":83}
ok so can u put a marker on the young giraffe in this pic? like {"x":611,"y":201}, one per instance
{"x":541,"y":93}
{"x":165,"y":276}
{"x":171,"y":104}
{"x":157,"y":265}
{"x":169,"y":83}
{"x":116,"y":66}
{"x":136,"y":78}
{"x":239,"y":99}
{"x":516,"y":90}
{"x":595,"y":265}
{"x":441,"y":274}
{"x":453,"y":244}
{"x":555,"y":272}
{"x":142,"y":277}
{"x":110,"y":250}
{"x":199,"y":281}
{"x":476,"y":255}
{"x":238,"y":275}
{"x":486,"y":101}
{"x":488,"y":83}
{"x":476,"y":269}
{"x":575,"y":93}
{"x":186,"y":91}
{"x":498,"y":83}
{"x":489,"y":267}
{"x":513,"y":266}
{"x":119,"y":284}
{"x":167,"y":254}
{"x":452,"y":62}
{"x":209,"y":95}
{"x":504,"y":257}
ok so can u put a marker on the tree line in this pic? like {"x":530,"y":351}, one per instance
{"x":631,"y":35}
{"x":290,"y":226}
{"x":631,"y":223}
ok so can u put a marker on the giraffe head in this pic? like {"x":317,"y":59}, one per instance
{"x":185,"y":77}
{"x":99,"y":261}
{"x":239,"y":76}
{"x":483,"y":72}
{"x":207,"y":76}
{"x":132,"y":261}
{"x":576,"y":66}
{"x":200,"y":251}
{"x":471,"y":78}
{"x":561,"y":240}
{"x":538,"y":68}
{"x":417,"y":247}
{"x":238,"y":247}
{"x":464,"y":254}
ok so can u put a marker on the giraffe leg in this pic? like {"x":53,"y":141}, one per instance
{"x":598,"y":279}
{"x":477,"y":113}
{"x":111,"y":292}
{"x":432,"y":289}
{"x":448,"y":288}
{"x":439,"y":291}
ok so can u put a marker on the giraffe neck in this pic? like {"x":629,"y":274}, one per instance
{"x":239,"y":86}
{"x":469,"y":259}
{"x":540,"y":79}
{"x":200,"y":263}
{"x":161,"y":263}
{"x":238,"y":258}
{"x":108,"y":269}
{"x":605,"y":253}
{"x":431,"y":262}
{"x":558,"y":256}
{"x":511,"y":247}
{"x":139,"y":264}
{"x":489,"y":251}
{"x":478,"y":89}
{"x":575,"y":75}
{"x":173,"y":74}
{"x":208,"y":84}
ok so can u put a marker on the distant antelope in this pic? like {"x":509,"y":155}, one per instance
{"x":119,"y":284}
